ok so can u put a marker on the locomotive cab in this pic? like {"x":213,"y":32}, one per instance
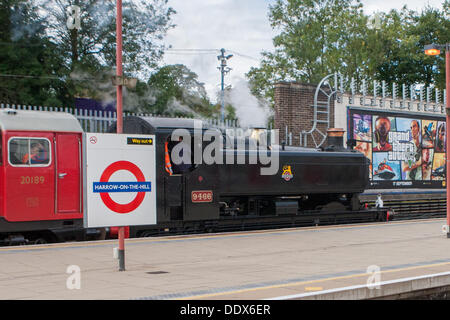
{"x":175,"y":189}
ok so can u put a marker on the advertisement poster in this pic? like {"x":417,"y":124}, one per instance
{"x":405,"y":150}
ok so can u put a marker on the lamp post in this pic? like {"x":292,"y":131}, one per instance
{"x":433,"y":50}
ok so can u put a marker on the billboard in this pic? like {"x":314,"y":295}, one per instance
{"x":406,"y":150}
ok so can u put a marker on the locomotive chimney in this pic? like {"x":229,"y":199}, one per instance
{"x":335,"y":138}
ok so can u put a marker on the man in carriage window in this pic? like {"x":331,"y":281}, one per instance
{"x":37,"y":155}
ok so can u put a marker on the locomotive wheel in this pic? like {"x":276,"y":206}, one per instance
{"x":40,"y":241}
{"x":332,"y":207}
{"x":146,"y":234}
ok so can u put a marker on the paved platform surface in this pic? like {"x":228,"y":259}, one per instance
{"x":243,"y":265}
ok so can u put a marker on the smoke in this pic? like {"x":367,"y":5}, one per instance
{"x":138,"y":103}
{"x":102,"y":89}
{"x":98,"y":87}
{"x":174,"y":107}
{"x":251,"y":111}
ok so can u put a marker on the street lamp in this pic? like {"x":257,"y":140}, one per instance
{"x":433,"y":50}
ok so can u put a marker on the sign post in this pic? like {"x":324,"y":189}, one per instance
{"x":120,"y":180}
{"x":120,"y":115}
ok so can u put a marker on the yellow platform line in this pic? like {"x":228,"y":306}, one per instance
{"x":308,"y":282}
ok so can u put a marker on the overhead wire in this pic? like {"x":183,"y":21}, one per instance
{"x":3,"y":75}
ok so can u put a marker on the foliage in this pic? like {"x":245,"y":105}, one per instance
{"x":43,"y":62}
{"x":90,"y":52}
{"x":177,"y":91}
{"x":319,"y":37}
{"x":144,"y":24}
{"x":27,"y":61}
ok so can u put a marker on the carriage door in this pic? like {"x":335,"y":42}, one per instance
{"x":68,"y":173}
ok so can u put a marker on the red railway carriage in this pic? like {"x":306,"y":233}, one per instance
{"x":40,"y":173}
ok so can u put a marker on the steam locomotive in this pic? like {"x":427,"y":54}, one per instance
{"x":41,"y":198}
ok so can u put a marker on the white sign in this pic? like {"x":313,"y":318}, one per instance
{"x":120,"y":180}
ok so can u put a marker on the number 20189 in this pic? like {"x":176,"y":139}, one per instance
{"x":32,"y":180}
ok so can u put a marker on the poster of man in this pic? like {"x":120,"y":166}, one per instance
{"x":427,"y":161}
{"x":412,"y":166}
{"x":382,"y":126}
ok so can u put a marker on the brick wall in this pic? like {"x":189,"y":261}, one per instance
{"x":293,"y":108}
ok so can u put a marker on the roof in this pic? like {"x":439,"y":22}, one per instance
{"x":149,"y":125}
{"x":173,"y":122}
{"x":11,"y":119}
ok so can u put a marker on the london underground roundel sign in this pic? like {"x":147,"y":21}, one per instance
{"x":104,"y":186}
{"x":120,"y":180}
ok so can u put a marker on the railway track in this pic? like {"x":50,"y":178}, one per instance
{"x":416,"y":209}
{"x":399,"y":210}
{"x":402,"y":209}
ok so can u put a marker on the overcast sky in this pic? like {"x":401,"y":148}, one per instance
{"x":242,"y":28}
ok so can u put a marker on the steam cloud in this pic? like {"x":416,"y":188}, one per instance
{"x":251,"y":111}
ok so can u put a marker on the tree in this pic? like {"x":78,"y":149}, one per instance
{"x":144,"y":25}
{"x":309,"y":45}
{"x":177,"y":91}
{"x":319,"y":37}
{"x":431,"y":26}
{"x":89,"y":53}
{"x":61,"y":63}
{"x":28,"y":65}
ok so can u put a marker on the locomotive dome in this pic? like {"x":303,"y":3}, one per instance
{"x":26,"y":120}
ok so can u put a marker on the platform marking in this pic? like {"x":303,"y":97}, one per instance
{"x":312,"y":281}
{"x":166,"y":239}
{"x":382,"y":283}
{"x":286,"y":283}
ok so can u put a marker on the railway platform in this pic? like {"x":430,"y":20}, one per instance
{"x":331,"y":262}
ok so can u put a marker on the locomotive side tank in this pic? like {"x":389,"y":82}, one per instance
{"x":301,"y":171}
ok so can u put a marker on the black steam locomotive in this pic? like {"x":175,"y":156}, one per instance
{"x":309,"y":187}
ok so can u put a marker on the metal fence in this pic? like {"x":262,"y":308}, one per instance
{"x":99,"y":121}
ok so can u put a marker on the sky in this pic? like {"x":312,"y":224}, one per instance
{"x":242,"y":28}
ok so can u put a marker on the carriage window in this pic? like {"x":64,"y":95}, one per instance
{"x":29,"y":151}
{"x":173,"y":166}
